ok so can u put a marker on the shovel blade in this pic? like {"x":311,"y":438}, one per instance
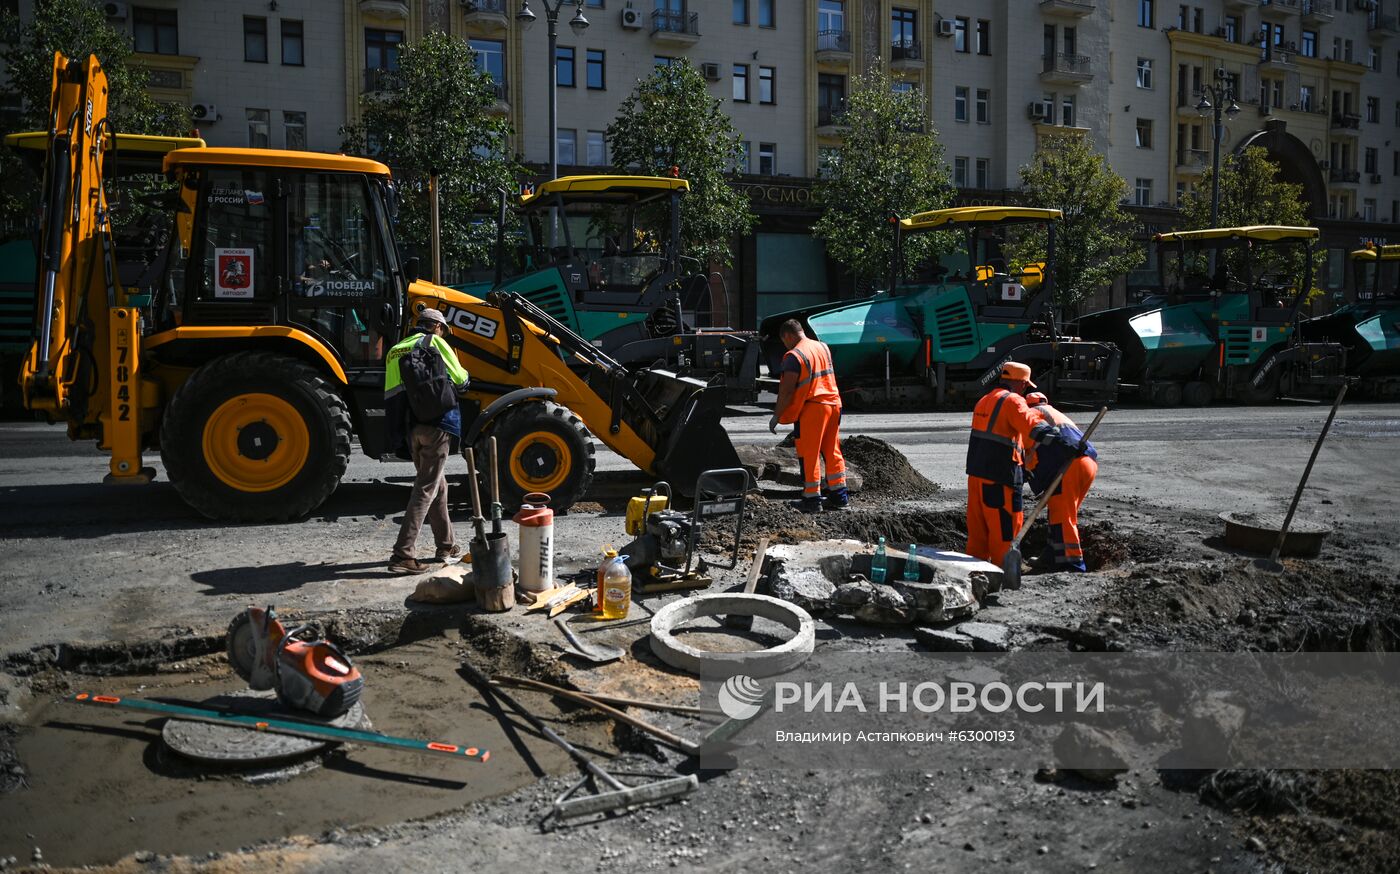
{"x":1268,"y":565}
{"x":1011,"y":568}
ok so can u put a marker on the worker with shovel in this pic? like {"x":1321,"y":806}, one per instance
{"x":1080,"y":466}
{"x":809,"y":398}
{"x":422,"y":379}
{"x":1003,"y":427}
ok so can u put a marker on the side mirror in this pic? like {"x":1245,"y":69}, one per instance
{"x":411,"y":267}
{"x":386,"y":319}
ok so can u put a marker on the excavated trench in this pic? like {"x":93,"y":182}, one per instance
{"x":89,"y":787}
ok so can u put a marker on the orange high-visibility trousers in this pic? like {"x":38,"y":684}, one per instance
{"x":1063,"y":508}
{"x":819,"y":437}
{"x":994,"y":516}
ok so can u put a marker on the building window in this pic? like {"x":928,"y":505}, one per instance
{"x":960,"y":103}
{"x":1309,"y":44}
{"x":597,"y":149}
{"x":767,"y":90}
{"x":661,"y":61}
{"x":984,"y":37}
{"x":1142,"y":192}
{"x":831,"y":16}
{"x":1368,"y":209}
{"x":1373,"y":109}
{"x":1371,"y":160}
{"x":899,"y":86}
{"x":904,"y":31}
{"x":258,"y":128}
{"x":984,"y":173}
{"x":984,"y":106}
{"x":293,"y":44}
{"x":960,"y":171}
{"x":255,"y":40}
{"x":1144,"y":133}
{"x":831,"y":96}
{"x":382,"y":48}
{"x":1145,"y":14}
{"x":741,"y":83}
{"x":1232,"y":28}
{"x":1067,"y":112}
{"x":745,"y":157}
{"x":741,"y":11}
{"x":960,"y":34}
{"x":567,"y":145}
{"x":1373,"y":59}
{"x":767,"y":159}
{"x":1397,"y":113}
{"x":827,"y":156}
{"x":294,"y":130}
{"x":1347,"y":50}
{"x":766,"y":16}
{"x":155,"y":31}
{"x":564,"y":66}
{"x":489,"y":56}
{"x":594,"y":4}
{"x":596,"y":69}
{"x":1144,"y":73}
{"x":1305,"y":98}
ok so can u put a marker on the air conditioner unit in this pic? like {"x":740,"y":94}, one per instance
{"x":945,"y":27}
{"x":115,"y":11}
{"x":710,"y":70}
{"x":1375,"y":179}
{"x":204,"y":112}
{"x":632,"y":18}
{"x":1040,"y":110}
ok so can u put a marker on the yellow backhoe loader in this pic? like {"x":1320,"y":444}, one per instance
{"x":258,"y":355}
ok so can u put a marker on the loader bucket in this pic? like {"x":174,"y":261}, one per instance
{"x":690,"y":438}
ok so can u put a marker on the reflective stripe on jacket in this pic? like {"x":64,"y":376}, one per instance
{"x":816,"y":378}
{"x":1045,"y":462}
{"x":1001,"y":429}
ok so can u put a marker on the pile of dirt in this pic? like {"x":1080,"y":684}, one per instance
{"x":885,"y":470}
{"x":783,"y":523}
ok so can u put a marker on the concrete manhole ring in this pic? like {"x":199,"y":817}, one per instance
{"x":756,"y":663}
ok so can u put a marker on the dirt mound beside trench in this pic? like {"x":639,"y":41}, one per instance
{"x":887,"y":473}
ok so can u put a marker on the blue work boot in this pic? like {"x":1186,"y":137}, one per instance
{"x":837,"y":499}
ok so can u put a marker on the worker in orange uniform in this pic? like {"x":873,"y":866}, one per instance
{"x":1003,"y":427}
{"x":1043,"y":462}
{"x":808,"y":397}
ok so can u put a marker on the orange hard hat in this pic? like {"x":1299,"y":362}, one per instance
{"x":1017,"y":370}
{"x":1035,"y":398}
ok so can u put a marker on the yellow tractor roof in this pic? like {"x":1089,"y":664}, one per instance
{"x":276,"y":158}
{"x":125,"y":142}
{"x":935,"y":219}
{"x":1371,"y":253}
{"x":1265,"y":233}
{"x":604,"y":188}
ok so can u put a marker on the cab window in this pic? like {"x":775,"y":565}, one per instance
{"x":235,"y":250}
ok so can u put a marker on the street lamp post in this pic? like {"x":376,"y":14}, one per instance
{"x":1217,"y":99}
{"x":579,"y":24}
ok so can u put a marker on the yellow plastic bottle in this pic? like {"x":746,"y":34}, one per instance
{"x":616,"y":588}
{"x":608,"y":555}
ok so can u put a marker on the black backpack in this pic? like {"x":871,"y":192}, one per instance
{"x":430,"y":390}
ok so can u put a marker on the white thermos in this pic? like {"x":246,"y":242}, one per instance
{"x":536,"y":521}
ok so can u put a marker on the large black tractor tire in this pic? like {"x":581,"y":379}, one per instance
{"x":1166,"y":394}
{"x":1197,"y":394}
{"x":255,"y":437}
{"x":540,"y":447}
{"x":1246,"y":392}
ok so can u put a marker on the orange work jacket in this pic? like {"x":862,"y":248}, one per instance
{"x":1001,"y":429}
{"x":816,"y":378}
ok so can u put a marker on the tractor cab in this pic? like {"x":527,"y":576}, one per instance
{"x":1376,"y":273}
{"x":1368,"y":328}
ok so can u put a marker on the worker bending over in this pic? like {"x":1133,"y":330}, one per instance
{"x":1003,"y":427}
{"x":808,"y":397}
{"x":1080,"y":466}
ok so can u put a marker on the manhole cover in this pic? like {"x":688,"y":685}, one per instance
{"x":228,"y":745}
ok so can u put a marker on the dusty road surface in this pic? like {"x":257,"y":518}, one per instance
{"x":126,"y":591}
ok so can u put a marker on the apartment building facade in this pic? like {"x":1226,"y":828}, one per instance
{"x":1316,"y":83}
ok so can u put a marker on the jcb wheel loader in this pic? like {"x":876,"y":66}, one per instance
{"x":259,"y":357}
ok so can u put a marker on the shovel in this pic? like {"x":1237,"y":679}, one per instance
{"x":1272,"y":564}
{"x":598,"y":654}
{"x":1011,"y":562}
{"x":495,"y":491}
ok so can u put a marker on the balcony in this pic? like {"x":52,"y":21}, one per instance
{"x":1318,"y":11}
{"x":485,"y":14}
{"x":385,"y":8}
{"x":833,"y":46}
{"x":1279,"y":9}
{"x":1381,"y":26}
{"x":1241,"y":5}
{"x":1065,"y":69}
{"x":378,"y":80}
{"x":1344,"y":177}
{"x":1346,"y":125}
{"x":1071,"y":8}
{"x":1192,"y":161}
{"x":1277,"y":60}
{"x":906,"y":54}
{"x":675,"y":28}
{"x":830,"y":119}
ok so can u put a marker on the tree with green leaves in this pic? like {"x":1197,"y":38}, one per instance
{"x":1093,"y":241}
{"x":77,"y":28}
{"x":890,"y":164}
{"x":671,"y":124}
{"x":437,"y":118}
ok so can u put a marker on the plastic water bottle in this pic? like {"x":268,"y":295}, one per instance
{"x":911,"y":566}
{"x":617,"y":588}
{"x":877,"y":564}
